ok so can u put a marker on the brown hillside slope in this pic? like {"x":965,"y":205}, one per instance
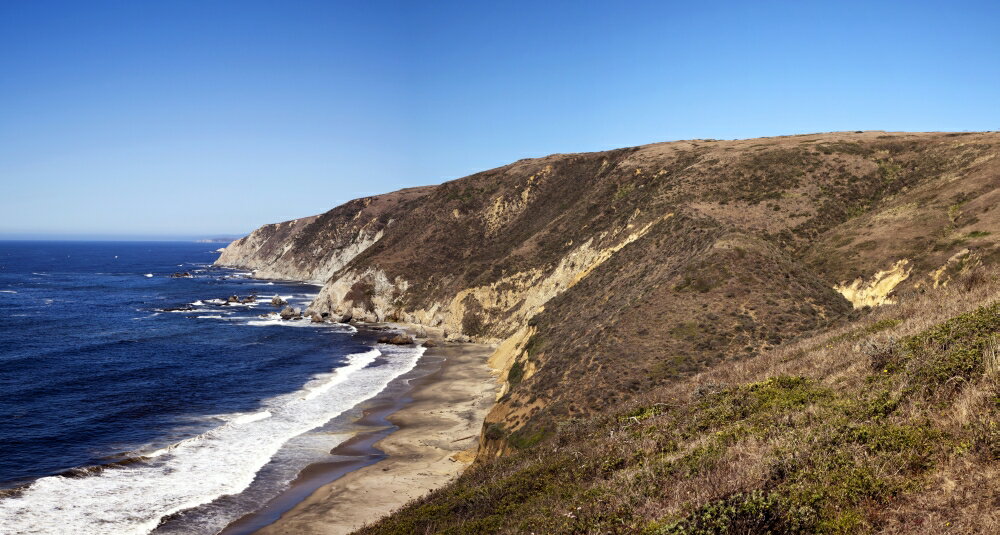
{"x":314,"y":248}
{"x":603,"y":275}
{"x":888,"y":424}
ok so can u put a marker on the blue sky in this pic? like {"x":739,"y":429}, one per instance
{"x":155,"y":119}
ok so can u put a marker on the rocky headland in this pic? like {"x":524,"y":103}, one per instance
{"x":628,"y":290}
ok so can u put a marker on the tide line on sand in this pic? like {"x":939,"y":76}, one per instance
{"x":435,"y":440}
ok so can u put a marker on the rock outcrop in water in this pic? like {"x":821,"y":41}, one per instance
{"x":603,"y":275}
{"x":396,"y":339}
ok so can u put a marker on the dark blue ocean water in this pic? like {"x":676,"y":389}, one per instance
{"x":93,"y":370}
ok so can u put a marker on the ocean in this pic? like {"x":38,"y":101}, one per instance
{"x":134,"y":402}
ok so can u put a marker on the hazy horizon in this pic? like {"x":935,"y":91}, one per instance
{"x":194,"y":120}
{"x":97,"y":237}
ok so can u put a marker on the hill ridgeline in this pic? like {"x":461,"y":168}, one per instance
{"x":702,"y":317}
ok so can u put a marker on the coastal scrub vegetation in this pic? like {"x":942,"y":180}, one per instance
{"x":887,"y":424}
{"x":703,"y":350}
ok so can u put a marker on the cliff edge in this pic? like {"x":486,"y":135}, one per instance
{"x":602,"y":276}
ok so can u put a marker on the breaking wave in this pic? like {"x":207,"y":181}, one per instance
{"x":133,"y":497}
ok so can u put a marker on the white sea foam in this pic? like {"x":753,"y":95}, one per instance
{"x":8,"y":291}
{"x":264,"y":322}
{"x":148,"y":275}
{"x":333,"y":379}
{"x":197,"y":303}
{"x":132,"y":499}
{"x":252,"y":417}
{"x":210,"y":317}
{"x":274,"y":319}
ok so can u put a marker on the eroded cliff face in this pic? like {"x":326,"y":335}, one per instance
{"x":267,"y":252}
{"x":602,"y":275}
{"x":314,"y":248}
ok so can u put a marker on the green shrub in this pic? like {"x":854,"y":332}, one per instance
{"x":534,"y":345}
{"x":515,"y":374}
{"x":523,"y":438}
{"x":949,"y":355}
{"x":642,"y":413}
{"x":495,"y":431}
{"x":752,"y":512}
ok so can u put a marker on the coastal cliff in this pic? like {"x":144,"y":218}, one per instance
{"x":313,"y":248}
{"x":605,"y":277}
{"x":668,"y":251}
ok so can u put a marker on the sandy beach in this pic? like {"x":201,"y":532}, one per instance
{"x":435,"y":440}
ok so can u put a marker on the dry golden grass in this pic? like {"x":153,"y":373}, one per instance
{"x":823,"y":357}
{"x":812,"y":437}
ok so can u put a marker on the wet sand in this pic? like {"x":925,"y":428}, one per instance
{"x":406,"y":446}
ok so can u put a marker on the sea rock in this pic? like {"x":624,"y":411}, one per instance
{"x":278,"y":301}
{"x":185,"y":275}
{"x":177,"y":309}
{"x":429,"y":343}
{"x":233,"y":299}
{"x":346,"y":318}
{"x":396,"y":339}
{"x":249,"y":299}
{"x":316,"y":318}
{"x":289,"y":313}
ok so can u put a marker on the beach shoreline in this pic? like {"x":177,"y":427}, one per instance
{"x":406,"y":445}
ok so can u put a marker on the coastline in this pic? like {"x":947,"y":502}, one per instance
{"x":406,"y":445}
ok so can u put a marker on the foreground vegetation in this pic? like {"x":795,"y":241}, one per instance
{"x":889,"y":424}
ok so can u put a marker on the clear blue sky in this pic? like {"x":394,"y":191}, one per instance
{"x":202,"y":118}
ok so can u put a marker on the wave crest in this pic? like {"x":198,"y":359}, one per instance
{"x":133,"y":499}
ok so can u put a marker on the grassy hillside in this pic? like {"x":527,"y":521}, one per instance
{"x":889,"y":423}
{"x":695,"y":330}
